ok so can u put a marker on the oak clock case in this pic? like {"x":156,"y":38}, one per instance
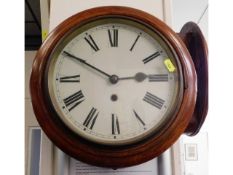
{"x":115,"y":87}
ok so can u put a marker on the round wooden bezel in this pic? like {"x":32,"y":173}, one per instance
{"x":109,"y":156}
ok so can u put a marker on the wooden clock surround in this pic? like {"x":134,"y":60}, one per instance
{"x":186,"y":121}
{"x":196,"y":44}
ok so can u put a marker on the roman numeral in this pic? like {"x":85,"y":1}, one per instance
{"x":153,"y":100}
{"x":136,"y":40}
{"x":91,"y":118}
{"x":70,"y":79}
{"x":74,"y":100}
{"x":91,"y":42}
{"x":113,"y":37}
{"x":151,"y":57}
{"x":115,"y":125}
{"x":158,"y":77}
{"x":138,"y":118}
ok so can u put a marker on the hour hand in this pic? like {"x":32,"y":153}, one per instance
{"x":84,"y":62}
{"x":139,"y":77}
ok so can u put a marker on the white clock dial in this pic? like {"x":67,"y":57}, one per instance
{"x":109,"y":81}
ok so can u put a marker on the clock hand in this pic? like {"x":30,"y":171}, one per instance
{"x":139,"y":77}
{"x":84,"y":62}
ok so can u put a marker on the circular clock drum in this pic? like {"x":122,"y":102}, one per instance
{"x":113,"y":86}
{"x":109,"y":81}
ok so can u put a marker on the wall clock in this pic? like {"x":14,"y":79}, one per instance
{"x":115,"y":87}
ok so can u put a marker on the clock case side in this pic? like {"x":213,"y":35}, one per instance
{"x":197,"y":46}
{"x":114,"y":157}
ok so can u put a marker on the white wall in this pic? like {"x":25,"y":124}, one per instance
{"x":183,"y":12}
{"x":196,"y":11}
{"x":190,"y":10}
{"x":159,"y":8}
{"x":30,"y":119}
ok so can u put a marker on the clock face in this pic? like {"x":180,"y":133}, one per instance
{"x":114,"y":81}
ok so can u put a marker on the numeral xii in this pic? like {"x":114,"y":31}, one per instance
{"x":113,"y":37}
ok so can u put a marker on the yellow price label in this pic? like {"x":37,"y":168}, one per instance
{"x":170,"y":67}
{"x":44,"y":34}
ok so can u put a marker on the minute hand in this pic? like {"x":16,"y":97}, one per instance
{"x":84,"y":62}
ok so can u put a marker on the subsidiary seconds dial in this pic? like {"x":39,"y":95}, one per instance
{"x":114,"y":81}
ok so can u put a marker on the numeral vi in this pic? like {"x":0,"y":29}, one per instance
{"x":115,"y":125}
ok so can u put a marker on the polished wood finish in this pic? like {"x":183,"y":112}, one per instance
{"x":196,"y":44}
{"x":111,"y":156}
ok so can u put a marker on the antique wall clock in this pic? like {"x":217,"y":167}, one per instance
{"x":115,"y":86}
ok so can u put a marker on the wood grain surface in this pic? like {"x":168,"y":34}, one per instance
{"x":100,"y":155}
